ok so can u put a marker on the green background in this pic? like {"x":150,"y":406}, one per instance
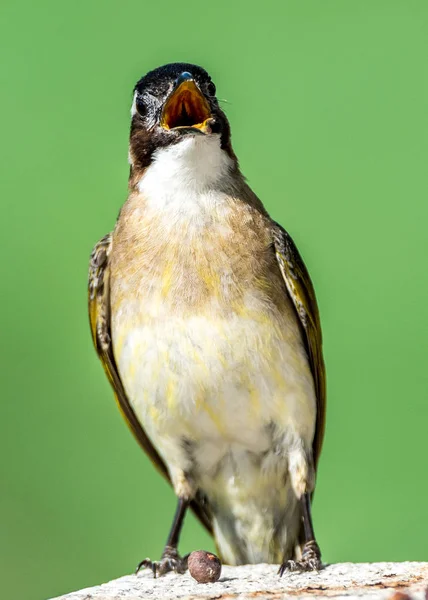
{"x":328,"y":105}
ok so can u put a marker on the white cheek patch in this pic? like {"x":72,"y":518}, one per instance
{"x":133,"y":112}
{"x":134,"y":105}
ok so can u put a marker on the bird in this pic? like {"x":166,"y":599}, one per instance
{"x":206,"y":322}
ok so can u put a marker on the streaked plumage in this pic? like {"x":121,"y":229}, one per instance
{"x":206,"y":322}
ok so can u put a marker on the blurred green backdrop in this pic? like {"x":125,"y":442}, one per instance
{"x":328,"y":105}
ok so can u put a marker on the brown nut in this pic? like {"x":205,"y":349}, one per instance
{"x":400,"y":596}
{"x":205,"y":567}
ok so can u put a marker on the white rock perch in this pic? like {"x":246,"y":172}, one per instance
{"x":261,"y":582}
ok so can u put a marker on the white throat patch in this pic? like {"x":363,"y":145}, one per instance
{"x":184,"y":173}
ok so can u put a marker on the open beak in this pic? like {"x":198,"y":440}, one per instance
{"x":186,"y":107}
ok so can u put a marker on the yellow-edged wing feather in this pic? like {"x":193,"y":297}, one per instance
{"x":301,"y":291}
{"x":99,"y":318}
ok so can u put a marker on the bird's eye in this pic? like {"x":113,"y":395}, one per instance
{"x":141,"y":106}
{"x":211,"y":88}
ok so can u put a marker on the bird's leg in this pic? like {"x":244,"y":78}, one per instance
{"x":171,"y":560}
{"x":311,"y":553}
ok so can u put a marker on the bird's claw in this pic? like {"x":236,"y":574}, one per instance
{"x":311,"y":561}
{"x":170,"y":561}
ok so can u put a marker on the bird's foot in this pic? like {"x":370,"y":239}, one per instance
{"x":311,"y":560}
{"x":170,"y":561}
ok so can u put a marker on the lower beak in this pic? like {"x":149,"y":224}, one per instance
{"x":187,"y":108}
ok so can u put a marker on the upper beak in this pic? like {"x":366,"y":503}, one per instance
{"x":186,"y":106}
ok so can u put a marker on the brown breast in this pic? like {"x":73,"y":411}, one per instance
{"x":190,"y":264}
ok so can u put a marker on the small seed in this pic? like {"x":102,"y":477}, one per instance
{"x":400,"y":596}
{"x":205,"y":567}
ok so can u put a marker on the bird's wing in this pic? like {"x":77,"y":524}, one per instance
{"x":302,"y":293}
{"x":100,"y":322}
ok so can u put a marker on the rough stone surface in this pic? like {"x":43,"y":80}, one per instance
{"x":345,"y":580}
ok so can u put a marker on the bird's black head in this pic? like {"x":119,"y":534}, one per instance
{"x":176,"y":100}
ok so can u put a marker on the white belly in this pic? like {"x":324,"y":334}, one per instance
{"x":215,"y":379}
{"x":230,"y":404}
